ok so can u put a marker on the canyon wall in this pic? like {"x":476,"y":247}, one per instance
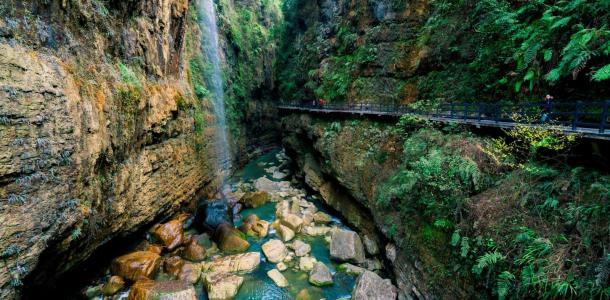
{"x":105,"y":125}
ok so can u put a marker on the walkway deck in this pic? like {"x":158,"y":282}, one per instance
{"x":587,"y":120}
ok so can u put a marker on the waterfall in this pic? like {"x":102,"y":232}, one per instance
{"x":209,"y":43}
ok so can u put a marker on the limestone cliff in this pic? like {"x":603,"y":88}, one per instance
{"x":102,"y":130}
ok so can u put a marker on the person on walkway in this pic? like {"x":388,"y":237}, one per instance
{"x":547,"y":106}
{"x":321,"y":102}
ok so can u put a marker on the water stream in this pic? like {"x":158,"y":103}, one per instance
{"x":257,"y":284}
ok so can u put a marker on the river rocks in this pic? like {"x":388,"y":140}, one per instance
{"x":370,"y":245}
{"x":346,"y":246}
{"x":316,"y":230}
{"x":372,"y":264}
{"x":301,"y":248}
{"x":173,"y":265}
{"x":306,"y":263}
{"x":267,"y":185}
{"x":162,"y":290}
{"x":169,"y":234}
{"x":351,"y":269}
{"x":194,"y":251}
{"x":275,"y":251}
{"x":136,"y":265}
{"x":321,"y":217}
{"x":281,"y":266}
{"x":282,"y":208}
{"x":320,"y":275}
{"x":114,"y":284}
{"x":278,"y":278}
{"x":253,"y":226}
{"x":255,"y":199}
{"x":230,"y":239}
{"x":242,"y":263}
{"x":292,"y":221}
{"x":260,"y":228}
{"x":369,"y":286}
{"x":190,"y":273}
{"x":285,"y":233}
{"x":211,"y":214}
{"x":303,"y":295}
{"x":222,"y":286}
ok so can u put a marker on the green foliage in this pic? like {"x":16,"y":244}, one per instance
{"x":76,"y":234}
{"x":435,"y":180}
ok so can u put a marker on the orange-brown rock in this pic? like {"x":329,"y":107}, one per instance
{"x":173,"y":265}
{"x":114,"y":284}
{"x":155,"y":249}
{"x":190,"y":273}
{"x":170,"y":234}
{"x":136,"y":265}
{"x":230,"y":239}
{"x":153,"y":290}
{"x":193,"y":251}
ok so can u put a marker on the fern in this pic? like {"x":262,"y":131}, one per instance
{"x":505,"y":284}
{"x":602,"y":74}
{"x":487,"y":261}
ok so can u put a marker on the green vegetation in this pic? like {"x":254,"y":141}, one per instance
{"x":456,"y":50}
{"x":519,"y":226}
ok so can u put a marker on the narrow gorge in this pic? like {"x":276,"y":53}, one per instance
{"x":304,"y":149}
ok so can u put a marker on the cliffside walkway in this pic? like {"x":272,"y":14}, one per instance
{"x":588,"y":119}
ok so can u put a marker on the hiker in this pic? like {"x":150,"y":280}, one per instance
{"x":321,"y":102}
{"x":547,"y":106}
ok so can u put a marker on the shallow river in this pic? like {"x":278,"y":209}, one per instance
{"x":257,"y":284}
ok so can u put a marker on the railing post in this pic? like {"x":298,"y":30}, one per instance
{"x":480,"y":111}
{"x":602,"y":124}
{"x":576,"y":115}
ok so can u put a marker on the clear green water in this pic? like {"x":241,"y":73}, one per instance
{"x":257,"y":285}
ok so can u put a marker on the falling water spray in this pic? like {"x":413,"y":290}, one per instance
{"x":209,"y":44}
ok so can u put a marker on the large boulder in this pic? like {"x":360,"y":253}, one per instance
{"x":306,"y":263}
{"x":346,"y":246}
{"x":301,"y":248}
{"x":278,"y":278}
{"x":194,"y":251}
{"x":213,"y":213}
{"x":370,"y":245}
{"x":285,"y":233}
{"x":190,"y":273}
{"x":230,"y":239}
{"x":320,"y":275}
{"x":369,"y":286}
{"x":316,"y":230}
{"x":292,"y":221}
{"x":173,"y":265}
{"x":170,"y":234}
{"x":162,"y":290}
{"x":222,"y":286}
{"x":253,"y":226}
{"x":241,"y":263}
{"x":275,"y":251}
{"x":321,"y":217}
{"x":255,"y":199}
{"x":136,"y":265}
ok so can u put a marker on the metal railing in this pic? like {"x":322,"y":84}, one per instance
{"x":577,"y":116}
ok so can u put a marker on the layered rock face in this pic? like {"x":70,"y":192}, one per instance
{"x":340,"y":168}
{"x":98,"y":132}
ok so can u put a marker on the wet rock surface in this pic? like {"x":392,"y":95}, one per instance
{"x":370,"y":286}
{"x":136,"y":265}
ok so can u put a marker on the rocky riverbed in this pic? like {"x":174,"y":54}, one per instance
{"x":261,"y":237}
